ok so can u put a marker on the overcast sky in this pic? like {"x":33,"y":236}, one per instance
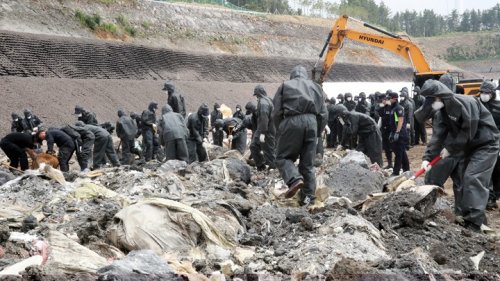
{"x":442,"y":7}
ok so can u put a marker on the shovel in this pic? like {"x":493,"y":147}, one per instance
{"x":422,"y":170}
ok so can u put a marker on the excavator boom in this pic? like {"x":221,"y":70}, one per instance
{"x":402,"y":47}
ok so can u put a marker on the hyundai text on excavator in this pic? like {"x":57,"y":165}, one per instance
{"x":403,"y":47}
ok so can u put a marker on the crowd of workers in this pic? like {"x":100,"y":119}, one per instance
{"x":291,"y":127}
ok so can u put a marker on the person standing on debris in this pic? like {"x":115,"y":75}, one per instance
{"x":398,"y":136}
{"x":349,"y":103}
{"x":239,"y":114}
{"x":173,"y":134}
{"x":31,"y":122}
{"x":331,"y":138}
{"x":300,"y":116}
{"x":87,"y":139}
{"x":17,"y":123}
{"x":384,"y":111}
{"x":175,"y":100}
{"x":126,"y":129}
{"x":362,"y":125}
{"x":198,"y":133}
{"x":103,"y":146}
{"x":487,"y":95}
{"x":217,"y":134}
{"x":236,"y":133}
{"x":63,"y":141}
{"x":408,"y":107}
{"x":85,"y":116}
{"x":15,"y":145}
{"x":362,"y":106}
{"x":137,"y":149}
{"x":374,"y":106}
{"x":149,"y":130}
{"x":463,"y":126}
{"x":420,"y":132}
{"x":264,"y":138}
{"x":250,"y":121}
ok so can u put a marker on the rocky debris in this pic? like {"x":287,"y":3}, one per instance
{"x":352,"y":181}
{"x":138,"y":265}
{"x":356,"y":157}
{"x":221,"y":219}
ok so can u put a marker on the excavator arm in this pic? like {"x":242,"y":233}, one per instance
{"x":393,"y":43}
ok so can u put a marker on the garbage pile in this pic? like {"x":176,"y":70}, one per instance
{"x":222,"y":220}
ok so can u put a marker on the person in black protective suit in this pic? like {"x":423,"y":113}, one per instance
{"x":85,"y":116}
{"x":384,"y":111}
{"x":17,"y":123}
{"x":420,"y":132}
{"x":250,"y":121}
{"x":63,"y":141}
{"x":149,"y":128}
{"x":126,"y":130}
{"x":173,"y":134}
{"x":264,"y":140}
{"x":85,"y":144}
{"x":349,"y":103}
{"x":445,"y":168}
{"x":331,"y":138}
{"x":238,"y":113}
{"x":103,"y":146}
{"x":174,"y":99}
{"x":463,"y":126}
{"x":300,"y":116}
{"x":31,"y":122}
{"x":340,"y":99}
{"x":235,"y":131}
{"x":198,"y":133}
{"x":217,"y":135}
{"x":373,"y":106}
{"x":399,"y":135}
{"x":362,"y":106}
{"x":362,"y":125}
{"x":15,"y":145}
{"x":408,"y":107}
{"x":487,"y":95}
{"x":137,"y":149}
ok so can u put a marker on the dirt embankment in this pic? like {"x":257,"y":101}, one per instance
{"x":51,"y":74}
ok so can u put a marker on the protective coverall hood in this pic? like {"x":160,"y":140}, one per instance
{"x":447,"y":80}
{"x":250,"y":107}
{"x":203,"y":111}
{"x":338,"y":110}
{"x":14,"y":116}
{"x":298,"y":72}
{"x":433,"y":88}
{"x":169,"y":87}
{"x":488,"y":88}
{"x":27,"y":113}
{"x":259,"y":91}
{"x":121,"y":113}
{"x":153,"y":106}
{"x":166,"y":109}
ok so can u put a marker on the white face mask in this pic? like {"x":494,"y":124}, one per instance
{"x":437,"y":105}
{"x":238,"y":109}
{"x":381,"y":104}
{"x":17,"y":119}
{"x":403,"y":98}
{"x":388,"y":102}
{"x":485,"y":97}
{"x":340,"y":100}
{"x":79,"y":115}
{"x":348,"y":99}
{"x":29,"y":117}
{"x":166,"y":92}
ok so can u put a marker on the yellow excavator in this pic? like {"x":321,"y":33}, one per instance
{"x":403,"y":47}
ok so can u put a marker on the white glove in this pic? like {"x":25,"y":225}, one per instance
{"x":341,"y":121}
{"x":425,"y":166}
{"x":327,"y":129}
{"x":205,"y":140}
{"x":213,"y":130}
{"x":408,"y":126}
{"x":230,"y":138}
{"x":262,"y":138}
{"x":379,"y":123}
{"x":444,"y":153}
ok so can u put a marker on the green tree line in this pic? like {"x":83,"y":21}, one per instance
{"x":425,"y":23}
